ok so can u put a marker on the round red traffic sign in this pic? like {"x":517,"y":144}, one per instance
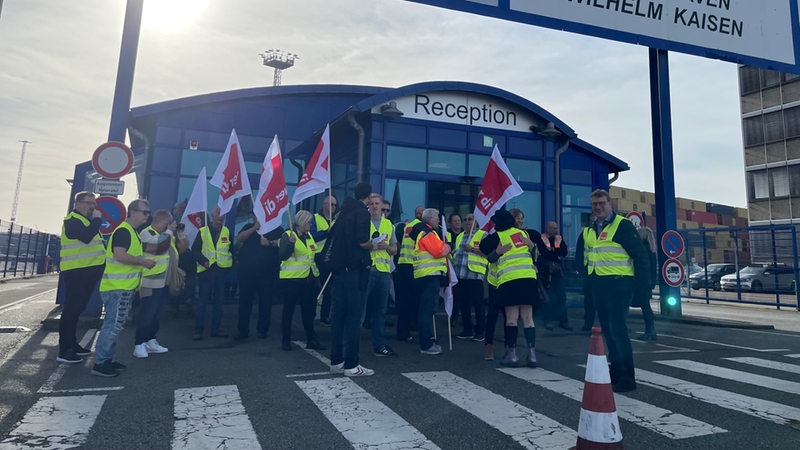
{"x":672,"y":244}
{"x":112,"y":159}
{"x":673,"y":272}
{"x":113,"y":213}
{"x":635,"y":217}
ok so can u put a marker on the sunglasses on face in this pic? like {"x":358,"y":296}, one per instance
{"x":386,"y":210}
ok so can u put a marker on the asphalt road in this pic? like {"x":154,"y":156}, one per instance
{"x":701,"y":386}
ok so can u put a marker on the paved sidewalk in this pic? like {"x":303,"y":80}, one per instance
{"x":746,"y":315}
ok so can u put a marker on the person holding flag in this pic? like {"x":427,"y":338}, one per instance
{"x":470,"y":267}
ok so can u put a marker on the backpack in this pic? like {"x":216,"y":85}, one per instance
{"x":333,"y":256}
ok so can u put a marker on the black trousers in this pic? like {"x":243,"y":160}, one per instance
{"x":79,"y":284}
{"x":407,"y":301}
{"x":303,"y":293}
{"x":468,"y":295}
{"x":260,"y":288}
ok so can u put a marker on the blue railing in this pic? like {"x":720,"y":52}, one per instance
{"x":25,"y":251}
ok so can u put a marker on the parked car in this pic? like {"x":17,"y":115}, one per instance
{"x":710,"y":276}
{"x":767,"y":278}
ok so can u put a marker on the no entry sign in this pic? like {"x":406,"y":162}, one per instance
{"x":636,"y":218}
{"x":113,"y":212}
{"x":112,"y":159}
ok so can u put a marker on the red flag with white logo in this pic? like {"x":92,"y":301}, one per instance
{"x":231,"y":175}
{"x":498,"y":187}
{"x":272,"y":200}
{"x":194,"y":216}
{"x":317,"y":177}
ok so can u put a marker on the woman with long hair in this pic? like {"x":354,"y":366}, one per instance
{"x":642,"y":300}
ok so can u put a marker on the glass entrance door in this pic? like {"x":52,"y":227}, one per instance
{"x":452,"y":197}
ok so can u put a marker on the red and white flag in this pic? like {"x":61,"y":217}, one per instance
{"x":317,"y":177}
{"x":194,"y":216}
{"x":231,"y":176}
{"x":498,"y":187}
{"x":273,"y":198}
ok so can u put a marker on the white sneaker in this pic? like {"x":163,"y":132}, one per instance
{"x":358,"y":371}
{"x":152,"y":346}
{"x":140,"y":351}
{"x":337,"y":368}
{"x":434,"y":349}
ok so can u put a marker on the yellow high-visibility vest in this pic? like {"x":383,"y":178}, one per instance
{"x":407,"y":245}
{"x":381,"y":258}
{"x":425,"y":264}
{"x":75,"y":254}
{"x":221,"y":253}
{"x":603,"y":256}
{"x":475,"y":263}
{"x":322,"y":225}
{"x":301,"y":262}
{"x":118,"y":276}
{"x":516,"y":263}
{"x":161,"y":260}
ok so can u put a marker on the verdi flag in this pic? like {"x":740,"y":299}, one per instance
{"x":317,"y":176}
{"x":272,"y":198}
{"x":231,"y":175}
{"x":498,"y":187}
{"x":194,"y":216}
{"x":397,"y":206}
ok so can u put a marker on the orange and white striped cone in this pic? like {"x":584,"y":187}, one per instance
{"x":598,"y":427}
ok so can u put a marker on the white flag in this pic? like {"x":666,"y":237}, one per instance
{"x":231,"y":176}
{"x":273,"y":198}
{"x":194,"y":216}
{"x":446,"y":292}
{"x":317,"y":176}
{"x":498,"y":187}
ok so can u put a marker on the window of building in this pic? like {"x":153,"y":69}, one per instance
{"x":773,"y":126}
{"x":791,"y":121}
{"x":573,"y":195}
{"x":749,"y":80}
{"x":447,"y":163}
{"x":530,"y":202}
{"x":780,"y":182}
{"x":525,"y":170}
{"x":753,"y":131}
{"x":477,"y":165}
{"x":770,"y":78}
{"x":405,"y":158}
{"x":759,"y":184}
{"x":412,"y":194}
{"x":622,"y":193}
{"x":794,"y":180}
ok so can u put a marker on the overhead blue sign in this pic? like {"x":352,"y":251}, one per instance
{"x":764,"y":33}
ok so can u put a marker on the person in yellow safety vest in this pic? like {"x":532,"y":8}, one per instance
{"x":384,"y":246}
{"x":617,"y":268}
{"x":298,"y":280}
{"x":406,"y":298}
{"x":508,"y":251}
{"x":83,"y":258}
{"x":470,"y":266}
{"x":156,"y":241}
{"x":319,"y":231}
{"x":122,"y":277}
{"x":430,"y":272}
{"x":212,"y":251}
{"x":552,"y":249}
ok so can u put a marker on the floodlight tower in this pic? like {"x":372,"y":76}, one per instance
{"x":278,"y":60}
{"x":14,"y":205}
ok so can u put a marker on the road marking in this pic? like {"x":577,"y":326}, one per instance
{"x":55,"y":423}
{"x":47,"y":387}
{"x":797,"y":355}
{"x":768,"y":364}
{"x":361,"y":418}
{"x":310,"y":374}
{"x":313,"y":353}
{"x":212,"y":417}
{"x":525,"y":426}
{"x":727,"y":345}
{"x":13,"y":305}
{"x":736,"y":375}
{"x":756,"y":407}
{"x":662,"y":421}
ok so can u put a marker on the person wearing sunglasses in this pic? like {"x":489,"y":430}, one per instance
{"x":386,"y":208}
{"x":122,"y":277}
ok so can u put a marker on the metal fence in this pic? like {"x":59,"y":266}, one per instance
{"x":25,"y":251}
{"x":764,"y":263}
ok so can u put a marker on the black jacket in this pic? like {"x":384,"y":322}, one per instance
{"x":353,"y":223}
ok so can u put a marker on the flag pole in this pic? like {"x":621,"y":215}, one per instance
{"x":433,"y":318}
{"x":449,"y":333}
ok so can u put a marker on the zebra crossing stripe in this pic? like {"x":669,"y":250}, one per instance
{"x":55,"y":423}
{"x":659,"y":420}
{"x":212,"y":417}
{"x":763,"y":409}
{"x":790,"y":387}
{"x":361,"y":418}
{"x":796,"y":355}
{"x":525,"y":426}
{"x":768,"y":364}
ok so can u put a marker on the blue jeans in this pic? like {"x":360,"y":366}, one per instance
{"x":612,"y":296}
{"x":377,"y":299}
{"x":147,"y":319}
{"x":116,"y":305}
{"x":428,"y":289}
{"x":349,"y":300}
{"x":212,"y":290}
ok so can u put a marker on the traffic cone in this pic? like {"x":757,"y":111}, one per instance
{"x":598,"y":427}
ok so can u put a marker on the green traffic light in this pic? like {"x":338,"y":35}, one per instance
{"x":672,"y":301}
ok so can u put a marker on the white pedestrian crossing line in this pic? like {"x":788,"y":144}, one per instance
{"x":55,"y":423}
{"x":361,"y":418}
{"x":212,"y":417}
{"x":659,"y":420}
{"x":763,"y":409}
{"x":790,"y":387}
{"x":768,"y":364}
{"x":796,"y":355}
{"x":726,"y":345}
{"x":524,"y":425}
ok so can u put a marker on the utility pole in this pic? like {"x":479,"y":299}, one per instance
{"x":278,"y":60}
{"x":25,"y":143}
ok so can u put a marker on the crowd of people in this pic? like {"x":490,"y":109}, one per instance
{"x":354,"y":264}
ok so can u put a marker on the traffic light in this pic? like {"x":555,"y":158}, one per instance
{"x":672,"y":301}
